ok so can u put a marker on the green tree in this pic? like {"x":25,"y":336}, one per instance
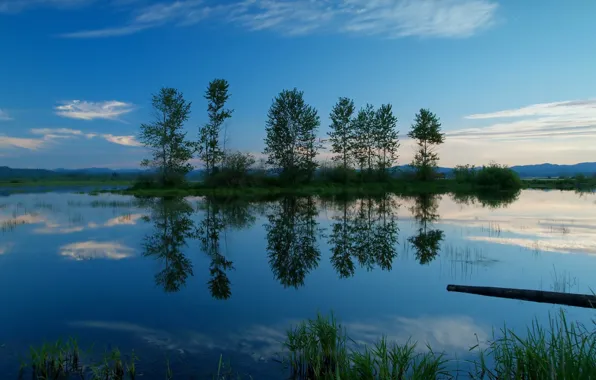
{"x":291,"y":136}
{"x":427,"y":132}
{"x":386,"y":139}
{"x":364,"y":138}
{"x":166,"y":139}
{"x":342,"y":132}
{"x":210,"y":148}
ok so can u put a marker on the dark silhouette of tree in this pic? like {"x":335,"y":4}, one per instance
{"x":366,"y":230}
{"x":172,"y":227}
{"x":427,"y":242}
{"x":426,"y":130}
{"x":292,"y":232}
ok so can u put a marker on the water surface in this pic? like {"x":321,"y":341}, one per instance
{"x":190,"y":279}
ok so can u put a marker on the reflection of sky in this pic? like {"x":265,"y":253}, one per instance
{"x":120,"y":296}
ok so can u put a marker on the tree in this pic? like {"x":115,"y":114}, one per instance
{"x":364,"y":138}
{"x":387,"y":139}
{"x":427,"y":131}
{"x":291,"y":136}
{"x":342,"y":132}
{"x":170,"y":149}
{"x":210,"y":149}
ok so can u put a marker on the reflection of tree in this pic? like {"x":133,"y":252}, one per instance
{"x":490,"y":199}
{"x":367,"y":231}
{"x":173,"y":225}
{"x":217,"y":218}
{"x":292,"y":239}
{"x":427,"y":242}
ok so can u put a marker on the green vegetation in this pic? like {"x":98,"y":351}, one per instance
{"x":489,"y":177}
{"x":427,"y":133}
{"x":321,"y":349}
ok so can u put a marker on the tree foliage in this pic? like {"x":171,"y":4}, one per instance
{"x":210,"y":147}
{"x":426,"y":130}
{"x":291,"y":136}
{"x":342,"y":132}
{"x":364,"y":141}
{"x":386,"y":138}
{"x":166,"y":139}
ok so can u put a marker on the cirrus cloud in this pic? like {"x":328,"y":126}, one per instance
{"x":389,"y":18}
{"x":84,"y":110}
{"x":4,"y":116}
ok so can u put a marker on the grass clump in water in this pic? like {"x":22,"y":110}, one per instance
{"x":321,"y":349}
{"x":562,"y":351}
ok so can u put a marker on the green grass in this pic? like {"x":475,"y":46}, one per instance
{"x":321,"y":349}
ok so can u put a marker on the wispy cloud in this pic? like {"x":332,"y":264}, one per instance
{"x":52,"y":135}
{"x":83,"y":110}
{"x":563,"y":120}
{"x":4,"y":116}
{"x":389,"y":18}
{"x":122,"y":140}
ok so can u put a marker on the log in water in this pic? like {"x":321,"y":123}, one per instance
{"x":578,"y":300}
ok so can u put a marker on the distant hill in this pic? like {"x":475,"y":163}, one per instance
{"x":525,"y":171}
{"x":554,"y":170}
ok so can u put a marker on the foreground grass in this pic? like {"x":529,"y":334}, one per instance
{"x":320,"y":349}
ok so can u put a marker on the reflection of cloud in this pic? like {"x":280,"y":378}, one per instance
{"x":55,"y":228}
{"x":131,"y":219}
{"x":96,"y":250}
{"x":448,"y":333}
{"x":549,"y":221}
{"x":445,"y":333}
{"x":571,"y":245}
{"x":5,"y":248}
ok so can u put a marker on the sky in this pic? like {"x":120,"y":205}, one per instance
{"x":512,"y":81}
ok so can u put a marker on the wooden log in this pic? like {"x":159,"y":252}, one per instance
{"x":569,"y":299}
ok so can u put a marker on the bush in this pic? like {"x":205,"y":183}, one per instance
{"x":336,"y":174}
{"x":497,"y":177}
{"x":465,"y":173}
{"x":234,"y":172}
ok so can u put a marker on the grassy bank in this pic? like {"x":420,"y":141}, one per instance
{"x":321,"y":349}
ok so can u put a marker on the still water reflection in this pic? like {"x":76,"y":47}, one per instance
{"x":198,"y":277}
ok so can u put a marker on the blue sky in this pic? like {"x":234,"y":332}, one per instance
{"x":512,"y":81}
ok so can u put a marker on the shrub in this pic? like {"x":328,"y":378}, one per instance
{"x":234,"y":172}
{"x":498,"y":177}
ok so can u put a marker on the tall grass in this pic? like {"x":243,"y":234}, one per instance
{"x":321,"y":349}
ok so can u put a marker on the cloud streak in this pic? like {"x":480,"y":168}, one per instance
{"x":388,"y":18}
{"x":83,"y":110}
{"x":4,"y":116}
{"x":51,"y":135}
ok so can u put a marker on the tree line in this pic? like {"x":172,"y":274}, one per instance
{"x":363,"y":142}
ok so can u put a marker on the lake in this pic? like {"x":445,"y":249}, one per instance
{"x":192,"y":279}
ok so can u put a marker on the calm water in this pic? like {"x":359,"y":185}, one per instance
{"x":192,"y":279}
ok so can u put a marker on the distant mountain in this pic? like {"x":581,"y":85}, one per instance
{"x":525,"y":171}
{"x":554,"y":170}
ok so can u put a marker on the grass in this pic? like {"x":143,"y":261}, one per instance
{"x":321,"y":349}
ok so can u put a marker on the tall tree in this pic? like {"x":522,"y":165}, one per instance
{"x":165,"y":137}
{"x":291,"y":136}
{"x":364,"y":138}
{"x":387,"y":138}
{"x":210,"y":147}
{"x":427,"y":131}
{"x":342,"y":132}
